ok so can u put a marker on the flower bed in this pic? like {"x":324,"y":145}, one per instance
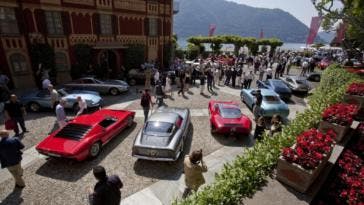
{"x":311,"y":148}
{"x":302,"y":163}
{"x":248,"y":172}
{"x":345,"y":184}
{"x":338,"y":117}
{"x":356,"y":89}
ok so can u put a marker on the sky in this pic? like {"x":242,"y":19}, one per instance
{"x":303,"y":10}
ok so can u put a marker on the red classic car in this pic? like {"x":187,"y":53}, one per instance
{"x":324,"y":63}
{"x":226,"y":118}
{"x":85,"y":135}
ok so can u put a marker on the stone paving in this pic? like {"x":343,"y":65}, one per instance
{"x":59,"y":181}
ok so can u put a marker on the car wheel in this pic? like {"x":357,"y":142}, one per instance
{"x":34,"y":107}
{"x":95,"y":149}
{"x":213,"y":128}
{"x":132,"y":82}
{"x":317,"y":78}
{"x":114,"y":91}
{"x":129,"y":122}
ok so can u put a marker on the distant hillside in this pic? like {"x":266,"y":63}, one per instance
{"x":195,"y":16}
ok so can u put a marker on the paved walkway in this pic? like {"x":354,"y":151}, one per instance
{"x":166,"y":191}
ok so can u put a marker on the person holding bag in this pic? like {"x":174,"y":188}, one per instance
{"x":14,"y":114}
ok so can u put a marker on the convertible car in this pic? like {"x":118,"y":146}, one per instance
{"x":85,"y":135}
{"x":271,"y":105}
{"x":112,"y":87}
{"x":226,"y":118}
{"x":163,"y":136}
{"x":277,"y":86}
{"x":296,"y":83}
{"x":36,"y":100}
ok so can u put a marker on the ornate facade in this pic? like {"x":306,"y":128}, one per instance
{"x":109,"y":26}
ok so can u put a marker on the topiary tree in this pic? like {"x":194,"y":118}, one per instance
{"x":43,"y":53}
{"x":192,"y":51}
{"x":134,"y":56}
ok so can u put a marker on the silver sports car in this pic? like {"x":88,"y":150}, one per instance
{"x":163,"y":136}
{"x":112,"y":87}
{"x":297,"y":83}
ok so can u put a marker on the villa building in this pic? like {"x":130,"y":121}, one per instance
{"x":109,"y":26}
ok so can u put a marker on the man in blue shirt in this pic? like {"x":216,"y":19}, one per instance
{"x":11,"y":156}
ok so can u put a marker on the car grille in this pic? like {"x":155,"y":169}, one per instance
{"x":151,"y":152}
{"x":232,"y":125}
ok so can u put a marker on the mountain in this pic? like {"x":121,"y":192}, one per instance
{"x":195,"y":16}
{"x":327,"y":36}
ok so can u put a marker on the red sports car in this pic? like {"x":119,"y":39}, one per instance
{"x":85,"y":135}
{"x":226,"y":118}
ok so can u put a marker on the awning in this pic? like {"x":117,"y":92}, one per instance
{"x":113,"y":45}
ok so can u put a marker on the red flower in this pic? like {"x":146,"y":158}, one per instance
{"x":341,"y":114}
{"x":356,"y":89}
{"x":311,"y":147}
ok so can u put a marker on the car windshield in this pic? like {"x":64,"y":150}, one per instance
{"x":278,"y":83}
{"x":159,"y":127}
{"x":98,"y":81}
{"x":230,"y":112}
{"x":62,"y":92}
{"x":304,"y":82}
{"x":271,"y":99}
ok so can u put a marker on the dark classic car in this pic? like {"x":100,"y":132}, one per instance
{"x":297,"y":83}
{"x":277,"y":86}
{"x":163,"y":136}
{"x":112,"y":87}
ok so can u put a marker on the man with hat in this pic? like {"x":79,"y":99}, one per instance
{"x":11,"y":156}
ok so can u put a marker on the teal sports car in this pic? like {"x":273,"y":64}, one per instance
{"x":271,"y":105}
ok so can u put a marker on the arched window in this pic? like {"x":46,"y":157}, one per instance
{"x":18,"y":63}
{"x":61,"y":61}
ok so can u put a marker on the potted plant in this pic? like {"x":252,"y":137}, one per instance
{"x":355,"y":95}
{"x":299,"y":165}
{"x":339,"y":118}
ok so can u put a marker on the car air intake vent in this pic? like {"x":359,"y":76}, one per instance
{"x":74,"y":131}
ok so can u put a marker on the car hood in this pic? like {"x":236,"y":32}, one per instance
{"x":281,"y":88}
{"x":58,"y":145}
{"x":156,"y":140}
{"x":87,"y":97}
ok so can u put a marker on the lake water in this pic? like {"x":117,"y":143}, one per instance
{"x":228,"y":47}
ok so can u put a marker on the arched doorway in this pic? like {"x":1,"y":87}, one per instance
{"x":108,"y":63}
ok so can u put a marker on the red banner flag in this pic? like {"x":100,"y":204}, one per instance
{"x":315,"y":25}
{"x":340,"y":33}
{"x":212,"y":29}
{"x":261,"y":35}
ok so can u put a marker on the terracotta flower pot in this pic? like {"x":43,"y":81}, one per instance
{"x":296,"y":176}
{"x":340,"y":130}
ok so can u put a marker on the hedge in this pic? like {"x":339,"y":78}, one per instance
{"x":249,"y":172}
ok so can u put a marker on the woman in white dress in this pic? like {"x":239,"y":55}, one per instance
{"x":168,"y":88}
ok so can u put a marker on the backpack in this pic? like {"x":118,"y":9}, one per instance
{"x":145,"y":100}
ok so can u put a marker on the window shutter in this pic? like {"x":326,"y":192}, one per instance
{"x":146,"y":26}
{"x":96,"y":22}
{"x":41,"y":21}
{"x":66,"y":23}
{"x":20,"y":20}
{"x":114,"y":24}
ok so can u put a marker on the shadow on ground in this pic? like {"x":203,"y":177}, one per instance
{"x":165,"y":170}
{"x":70,"y":170}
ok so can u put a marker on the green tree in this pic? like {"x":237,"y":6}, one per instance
{"x":349,"y":11}
{"x":192,"y":51}
{"x":43,"y":53}
{"x":134,"y":56}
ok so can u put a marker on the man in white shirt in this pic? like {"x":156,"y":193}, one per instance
{"x":82,"y":105}
{"x":54,"y":96}
{"x":61,"y":114}
{"x":269,"y":73}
